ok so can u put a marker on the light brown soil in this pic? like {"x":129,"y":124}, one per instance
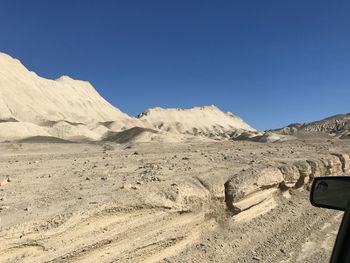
{"x":154,"y":202}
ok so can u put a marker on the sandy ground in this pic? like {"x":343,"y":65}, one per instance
{"x":154,"y":202}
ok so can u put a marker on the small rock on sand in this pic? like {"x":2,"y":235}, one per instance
{"x":4,"y":181}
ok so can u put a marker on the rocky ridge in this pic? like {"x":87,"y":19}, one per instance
{"x":335,"y":126}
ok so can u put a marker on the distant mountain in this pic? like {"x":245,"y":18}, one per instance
{"x":337,"y":126}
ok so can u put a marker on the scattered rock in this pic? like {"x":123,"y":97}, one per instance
{"x":4,"y":181}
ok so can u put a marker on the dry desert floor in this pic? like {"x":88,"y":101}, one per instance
{"x":154,"y":202}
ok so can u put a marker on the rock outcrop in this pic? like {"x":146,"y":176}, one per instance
{"x":251,"y":187}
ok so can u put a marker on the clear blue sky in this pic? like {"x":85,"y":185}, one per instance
{"x":270,"y":62}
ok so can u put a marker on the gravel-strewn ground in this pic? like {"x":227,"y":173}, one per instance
{"x":153,"y":202}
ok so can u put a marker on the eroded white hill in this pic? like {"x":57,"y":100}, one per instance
{"x":71,"y":109}
{"x":208,"y":121}
{"x":24,"y":96}
{"x":63,"y":107}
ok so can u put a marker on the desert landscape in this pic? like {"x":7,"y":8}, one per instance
{"x":81,"y":181}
